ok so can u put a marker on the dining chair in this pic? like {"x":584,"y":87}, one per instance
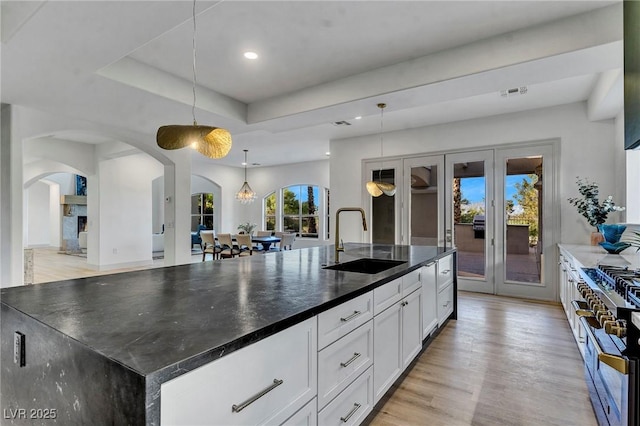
{"x":209,"y":244}
{"x":244,"y":245}
{"x":226,"y":244}
{"x":286,"y":241}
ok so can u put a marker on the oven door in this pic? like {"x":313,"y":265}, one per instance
{"x":607,"y":378}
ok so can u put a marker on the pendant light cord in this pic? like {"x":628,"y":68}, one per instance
{"x":382,"y":107}
{"x":193,"y":107}
{"x":245,"y":165}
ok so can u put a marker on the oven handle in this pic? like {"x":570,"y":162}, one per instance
{"x":618,"y":363}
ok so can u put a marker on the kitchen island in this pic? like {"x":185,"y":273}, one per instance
{"x":97,"y":350}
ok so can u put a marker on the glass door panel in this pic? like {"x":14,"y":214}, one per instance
{"x":523,"y":219}
{"x":524,"y":227}
{"x":469,"y":180}
{"x":424,"y":192}
{"x":383,"y":214}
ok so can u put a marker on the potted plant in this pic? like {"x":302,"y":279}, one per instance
{"x":247,"y":227}
{"x":590,"y":207}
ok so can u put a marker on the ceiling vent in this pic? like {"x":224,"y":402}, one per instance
{"x":513,"y":92}
{"x":341,"y":123}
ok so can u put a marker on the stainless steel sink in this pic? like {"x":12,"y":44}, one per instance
{"x":366,"y":265}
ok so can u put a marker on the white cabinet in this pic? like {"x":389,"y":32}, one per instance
{"x":445,"y":304}
{"x":342,"y":361}
{"x":352,"y":406}
{"x":236,"y":389}
{"x":569,"y":278}
{"x":397,"y":334}
{"x":344,"y":318}
{"x":446,"y":296}
{"x":387,"y":349}
{"x":445,"y":271}
{"x":411,"y":327}
{"x":387,"y":295}
{"x":429,"y":276}
{"x":306,"y":416}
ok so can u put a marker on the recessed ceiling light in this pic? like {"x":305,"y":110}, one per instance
{"x":358,"y":117}
{"x":251,"y":55}
{"x":328,"y":153}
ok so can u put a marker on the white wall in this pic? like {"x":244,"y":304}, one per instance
{"x":121,"y":226}
{"x":588,"y":149}
{"x":37,"y":229}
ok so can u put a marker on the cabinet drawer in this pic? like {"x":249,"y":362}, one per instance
{"x":445,"y":304}
{"x":344,"y":318}
{"x":266,"y":382}
{"x":445,"y":271}
{"x":306,"y":416}
{"x":352,"y":405}
{"x":386,"y":295}
{"x":342,"y":361}
{"x":411,"y":282}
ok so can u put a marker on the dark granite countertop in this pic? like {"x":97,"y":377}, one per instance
{"x":163,"y":322}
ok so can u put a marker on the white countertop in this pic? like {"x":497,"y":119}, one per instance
{"x":591,"y":256}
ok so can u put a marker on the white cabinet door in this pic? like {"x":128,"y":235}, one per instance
{"x":445,"y":271}
{"x":445,"y":304}
{"x":387,"y":349}
{"x":344,"y":318}
{"x":352,"y":406}
{"x":429,"y":299}
{"x":263,"y":383}
{"x":306,"y":416}
{"x":411,"y":327}
{"x":344,"y":360}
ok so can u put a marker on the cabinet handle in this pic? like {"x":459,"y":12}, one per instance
{"x":446,"y":304}
{"x":351,"y":413}
{"x":445,"y":272}
{"x":350,"y":317}
{"x":355,"y":356}
{"x":431,"y":264}
{"x":237,"y":408}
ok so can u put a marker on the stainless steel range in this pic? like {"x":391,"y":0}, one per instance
{"x":612,"y":350}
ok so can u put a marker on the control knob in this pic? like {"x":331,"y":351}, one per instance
{"x":616,"y":328}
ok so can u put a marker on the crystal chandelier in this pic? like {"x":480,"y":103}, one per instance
{"x":246,"y":194}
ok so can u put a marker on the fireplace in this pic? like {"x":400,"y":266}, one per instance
{"x":82,"y":224}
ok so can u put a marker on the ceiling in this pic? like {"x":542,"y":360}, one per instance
{"x":128,"y":66}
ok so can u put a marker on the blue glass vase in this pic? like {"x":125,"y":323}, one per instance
{"x":611,"y":233}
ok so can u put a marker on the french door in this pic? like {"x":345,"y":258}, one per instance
{"x":469,"y":219}
{"x":495,"y":206}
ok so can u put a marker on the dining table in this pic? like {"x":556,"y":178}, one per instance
{"x":266,"y":241}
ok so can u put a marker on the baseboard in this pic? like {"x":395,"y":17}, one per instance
{"x":120,"y":265}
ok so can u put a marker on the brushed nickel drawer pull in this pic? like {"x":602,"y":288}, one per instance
{"x":350,"y":317}
{"x":351,"y":413}
{"x":355,"y":356}
{"x":237,"y":408}
{"x":445,"y":272}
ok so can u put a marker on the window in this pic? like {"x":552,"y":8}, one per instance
{"x":201,"y":211}
{"x":299,"y":211}
{"x":270,"y":212}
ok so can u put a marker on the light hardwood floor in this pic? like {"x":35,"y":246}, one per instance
{"x":504,"y":361}
{"x":50,"y":265}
